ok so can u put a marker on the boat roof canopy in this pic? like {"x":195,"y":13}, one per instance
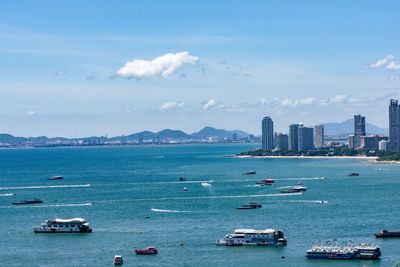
{"x":253,"y":231}
{"x":73,"y":220}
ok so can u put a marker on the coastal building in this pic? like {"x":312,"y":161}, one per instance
{"x":305,"y":138}
{"x":371,"y":142}
{"x":319,"y":136}
{"x":383,"y":145}
{"x":267,"y":126}
{"x":294,"y":137}
{"x":394,"y":126}
{"x":282,"y":142}
{"x":359,"y":129}
{"x":351,"y":141}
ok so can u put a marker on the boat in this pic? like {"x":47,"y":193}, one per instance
{"x":250,"y":206}
{"x":182,"y":179}
{"x":353,"y":174}
{"x":185,"y":189}
{"x":249,"y":173}
{"x":244,"y":237}
{"x":25,"y":202}
{"x":75,"y":225}
{"x":386,"y":233}
{"x":333,"y":251}
{"x":294,"y":189}
{"x":267,"y":181}
{"x":118,"y":260}
{"x":146,"y":251}
{"x":56,"y":178}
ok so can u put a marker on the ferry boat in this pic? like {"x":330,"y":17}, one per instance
{"x":249,"y":173}
{"x":332,"y":251}
{"x":243,"y":237}
{"x":57,"y":177}
{"x":386,"y":233}
{"x":75,"y":225}
{"x":31,"y":201}
{"x":118,"y":260}
{"x":146,"y":251}
{"x":251,"y":205}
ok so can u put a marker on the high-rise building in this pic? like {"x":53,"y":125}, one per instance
{"x":319,"y":136}
{"x":394,"y":126}
{"x":383,"y":145}
{"x":282,"y":142}
{"x":294,"y":137}
{"x":359,"y":129}
{"x":351,"y":141}
{"x":305,"y":138}
{"x":371,"y":142}
{"x":267,"y":126}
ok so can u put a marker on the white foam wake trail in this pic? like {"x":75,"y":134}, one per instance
{"x":300,"y":178}
{"x":44,"y":186}
{"x":301,"y":201}
{"x":49,"y":205}
{"x":7,"y":195}
{"x":169,"y":211}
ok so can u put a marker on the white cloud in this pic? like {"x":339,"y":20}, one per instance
{"x":338,"y":99}
{"x":382,"y":62}
{"x":30,"y":113}
{"x":293,"y":103}
{"x":160,"y":66}
{"x":171,"y":105}
{"x":60,"y":72}
{"x":210,"y":104}
{"x":394,"y":77}
{"x":393,"y":66}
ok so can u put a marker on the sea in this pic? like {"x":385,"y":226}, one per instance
{"x":132,"y":197}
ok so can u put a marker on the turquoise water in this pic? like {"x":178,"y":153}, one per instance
{"x":116,"y":188}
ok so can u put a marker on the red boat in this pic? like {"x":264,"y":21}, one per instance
{"x":265,"y":181}
{"x":146,"y":251}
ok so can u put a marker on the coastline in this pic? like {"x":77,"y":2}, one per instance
{"x":308,"y":157}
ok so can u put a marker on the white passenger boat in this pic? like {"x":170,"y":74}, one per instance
{"x":241,"y":237}
{"x":75,"y":225}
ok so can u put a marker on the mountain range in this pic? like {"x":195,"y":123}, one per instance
{"x":347,"y":127}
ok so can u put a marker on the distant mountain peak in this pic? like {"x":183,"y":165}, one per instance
{"x":347,"y":127}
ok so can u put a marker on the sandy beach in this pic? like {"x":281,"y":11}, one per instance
{"x":310,"y":157}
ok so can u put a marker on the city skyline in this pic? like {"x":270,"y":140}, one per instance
{"x":139,"y":66}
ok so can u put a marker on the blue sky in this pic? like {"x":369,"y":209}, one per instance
{"x":78,"y":68}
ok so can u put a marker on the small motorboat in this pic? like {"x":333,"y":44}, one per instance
{"x":57,"y":177}
{"x":118,"y":260}
{"x":294,"y":189}
{"x":185,"y":189}
{"x":386,"y":233}
{"x":31,"y":201}
{"x":353,"y":174}
{"x":267,"y":181}
{"x":250,"y":206}
{"x":249,"y":173}
{"x":182,"y":179}
{"x":146,"y":251}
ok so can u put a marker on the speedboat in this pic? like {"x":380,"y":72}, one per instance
{"x":182,"y":179}
{"x":56,"y":178}
{"x":146,"y":251}
{"x":386,"y":233}
{"x":118,"y":260}
{"x":267,"y":181}
{"x":249,"y":173}
{"x":294,"y":189}
{"x":353,"y":174}
{"x":250,"y":206}
{"x":31,"y":201}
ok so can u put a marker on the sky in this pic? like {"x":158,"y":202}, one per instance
{"x":82,"y":68}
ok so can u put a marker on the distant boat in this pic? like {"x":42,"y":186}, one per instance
{"x":57,"y":177}
{"x":118,"y":260}
{"x":249,"y":173}
{"x":146,"y":251}
{"x":353,"y":174}
{"x":386,"y":233}
{"x":294,"y":189}
{"x":250,"y":206}
{"x":182,"y":179}
{"x":185,"y":189}
{"x":268,"y":181}
{"x":31,"y":201}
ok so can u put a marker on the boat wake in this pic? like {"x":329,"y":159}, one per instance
{"x":7,"y":195}
{"x":48,"y":206}
{"x":301,"y":201}
{"x":45,"y":186}
{"x":300,"y":178}
{"x":170,"y":211}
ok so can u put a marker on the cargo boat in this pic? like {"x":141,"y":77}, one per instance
{"x":25,"y":202}
{"x":386,"y":233}
{"x":244,"y":237}
{"x":332,"y":251}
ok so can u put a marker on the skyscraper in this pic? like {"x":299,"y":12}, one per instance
{"x":394,"y":126}
{"x":294,"y":137}
{"x":282,"y":142}
{"x":359,"y":129}
{"x":305,"y":138}
{"x":267,"y":126}
{"x":319,"y":136}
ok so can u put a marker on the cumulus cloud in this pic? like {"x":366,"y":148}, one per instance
{"x":210,"y":104}
{"x":171,"y":105}
{"x":338,"y":99}
{"x":160,"y":66}
{"x":293,"y":103}
{"x":30,"y":113}
{"x":387,"y":62}
{"x":59,"y":72}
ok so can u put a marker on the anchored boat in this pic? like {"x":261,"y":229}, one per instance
{"x":243,"y":237}
{"x":333,"y":251}
{"x":75,"y":225}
